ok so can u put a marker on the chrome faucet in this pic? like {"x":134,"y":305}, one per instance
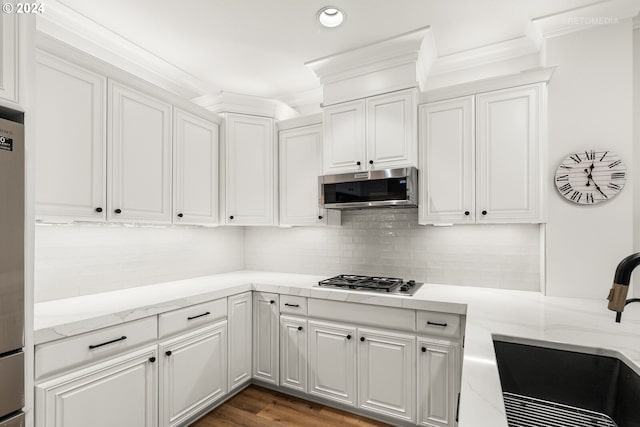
{"x":618,"y":293}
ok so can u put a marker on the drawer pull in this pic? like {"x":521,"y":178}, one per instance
{"x":199,"y":315}
{"x":92,"y":346}
{"x":291,"y":305}
{"x":444,"y":325}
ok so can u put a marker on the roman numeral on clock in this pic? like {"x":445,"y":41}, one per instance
{"x":614,"y":186}
{"x":602,"y":158}
{"x":617,"y":175}
{"x":614,"y":164}
{"x":576,"y":158}
{"x":562,"y":178}
{"x":576,"y":196}
{"x":566,"y":188}
{"x":589,"y":197}
{"x":591,"y":155}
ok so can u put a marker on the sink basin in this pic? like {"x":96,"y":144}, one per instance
{"x":545,"y":386}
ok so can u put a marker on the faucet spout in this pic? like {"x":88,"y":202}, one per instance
{"x":618,"y":293}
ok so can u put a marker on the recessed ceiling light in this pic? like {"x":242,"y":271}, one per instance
{"x":330,"y":16}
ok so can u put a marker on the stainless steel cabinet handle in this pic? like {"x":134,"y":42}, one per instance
{"x":291,"y":305}
{"x":92,"y":346}
{"x":444,"y":325}
{"x":199,"y":315}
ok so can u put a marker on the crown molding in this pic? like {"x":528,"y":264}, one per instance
{"x":307,"y":97}
{"x":298,"y":122}
{"x":71,"y":27}
{"x":605,"y":12}
{"x":229,"y":102}
{"x":536,"y":75}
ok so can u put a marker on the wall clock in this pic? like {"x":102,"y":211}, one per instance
{"x":591,"y":176}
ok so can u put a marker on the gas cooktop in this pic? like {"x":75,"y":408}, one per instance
{"x":391,"y":285}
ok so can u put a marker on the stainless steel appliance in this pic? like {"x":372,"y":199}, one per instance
{"x":374,"y":188}
{"x":389,"y":285}
{"x":12,"y":219}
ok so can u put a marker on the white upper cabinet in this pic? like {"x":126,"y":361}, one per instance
{"x":482,"y":166}
{"x":71,"y":135}
{"x":447,"y":168}
{"x":344,"y":137}
{"x":508,"y":155}
{"x":300,"y":165}
{"x":374,"y":133}
{"x":249,"y":170}
{"x":195,"y":172}
{"x":140,"y":157}
{"x":391,"y":130}
{"x":9,"y":57}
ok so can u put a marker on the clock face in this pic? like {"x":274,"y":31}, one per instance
{"x":590,"y":177}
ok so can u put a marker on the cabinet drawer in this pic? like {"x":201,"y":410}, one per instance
{"x":191,"y":317}
{"x":363,"y":314}
{"x":292,"y":304}
{"x":438,"y":324}
{"x":93,"y":346}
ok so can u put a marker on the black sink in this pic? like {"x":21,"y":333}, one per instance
{"x":585,"y":383}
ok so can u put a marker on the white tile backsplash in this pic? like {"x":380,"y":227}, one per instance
{"x":73,"y":260}
{"x":390,"y":242}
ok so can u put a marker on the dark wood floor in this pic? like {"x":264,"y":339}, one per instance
{"x":260,"y":407}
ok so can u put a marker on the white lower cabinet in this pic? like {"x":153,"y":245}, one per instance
{"x":386,"y":373}
{"x":265,"y":337}
{"x":438,"y":379}
{"x":293,"y":353}
{"x":117,"y":392}
{"x":193,"y":373}
{"x":240,"y":336}
{"x":332,"y":361}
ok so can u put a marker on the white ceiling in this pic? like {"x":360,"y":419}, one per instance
{"x":259,"y":47}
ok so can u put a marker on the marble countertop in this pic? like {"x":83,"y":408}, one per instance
{"x":568,"y":323}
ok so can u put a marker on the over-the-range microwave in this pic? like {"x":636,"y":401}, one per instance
{"x":374,"y":188}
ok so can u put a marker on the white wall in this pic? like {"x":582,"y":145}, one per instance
{"x":590,"y":105}
{"x":72,"y":260}
{"x":389,"y":242}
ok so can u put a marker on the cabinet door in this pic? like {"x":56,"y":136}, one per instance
{"x":195,"y":186}
{"x":344,"y":137}
{"x":386,"y":373}
{"x":265,"y":337}
{"x":71,"y":153}
{"x":293,"y":353}
{"x":392,"y":138}
{"x":332,"y":362}
{"x":300,"y":165}
{"x":508,"y":155}
{"x":139,"y":157}
{"x":250,"y":158}
{"x":240,"y":315}
{"x":9,"y":57}
{"x":193,"y":373}
{"x":118,"y":392}
{"x":447,"y":168}
{"x":438,"y":373}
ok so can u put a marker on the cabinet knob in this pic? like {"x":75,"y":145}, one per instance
{"x":358,"y":163}
{"x":168,"y":353}
{"x":370,"y":162}
{"x":484,"y":212}
{"x":272,"y":302}
{"x":152,"y":359}
{"x":319,"y":216}
{"x":180,"y":215}
{"x":98,"y":210}
{"x":424,"y":349}
{"x":299,"y":328}
{"x":348,"y":337}
{"x":118,"y":211}
{"x":230,"y":216}
{"x":467,"y":213}
{"x":361,"y":339}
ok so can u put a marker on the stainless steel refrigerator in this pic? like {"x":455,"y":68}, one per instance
{"x":12,"y":221}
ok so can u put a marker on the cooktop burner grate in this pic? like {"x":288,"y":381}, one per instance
{"x":371,"y":283}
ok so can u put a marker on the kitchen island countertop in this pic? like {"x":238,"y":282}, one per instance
{"x":568,"y":323}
